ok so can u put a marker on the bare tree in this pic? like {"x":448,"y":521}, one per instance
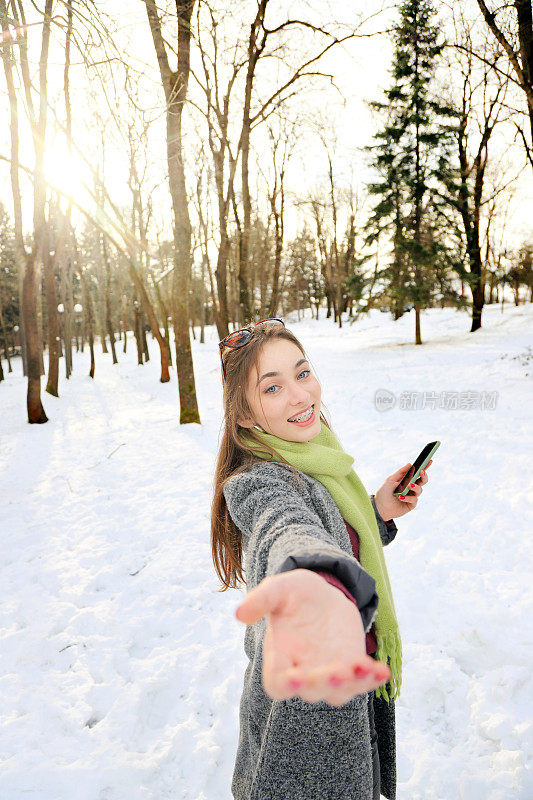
{"x":204,"y":239}
{"x":29,"y":264}
{"x":64,"y":263}
{"x":318,"y":210}
{"x":41,"y":245}
{"x":218,"y":97}
{"x":134,"y":248}
{"x":334,"y":260}
{"x":175,"y":89}
{"x":140,"y":220}
{"x":4,"y":337}
{"x":108,"y":317}
{"x":283,"y":140}
{"x":517,"y":43}
{"x":87,"y":301}
{"x":482,"y":92}
{"x":221,"y":83}
{"x":259,"y":37}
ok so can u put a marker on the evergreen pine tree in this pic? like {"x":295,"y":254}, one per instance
{"x":412,"y":155}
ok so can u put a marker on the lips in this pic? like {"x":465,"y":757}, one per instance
{"x":295,"y":421}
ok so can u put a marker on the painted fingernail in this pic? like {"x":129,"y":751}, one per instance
{"x":295,"y":684}
{"x":411,"y":486}
{"x":335,"y":680}
{"x":361,"y":672}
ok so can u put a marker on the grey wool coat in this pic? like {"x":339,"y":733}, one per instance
{"x":292,"y":749}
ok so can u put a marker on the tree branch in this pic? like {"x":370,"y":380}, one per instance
{"x":159,"y":44}
{"x":299,"y":74}
{"x":489,"y":18}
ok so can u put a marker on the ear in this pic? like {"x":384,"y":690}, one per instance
{"x":246,"y":422}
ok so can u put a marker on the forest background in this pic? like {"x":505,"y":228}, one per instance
{"x":164,"y":167}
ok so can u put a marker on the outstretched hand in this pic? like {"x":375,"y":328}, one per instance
{"x":390,"y":506}
{"x":314,"y":643}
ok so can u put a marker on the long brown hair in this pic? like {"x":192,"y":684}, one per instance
{"x":235,"y":455}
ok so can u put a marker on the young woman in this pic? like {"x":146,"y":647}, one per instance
{"x":317,"y":709}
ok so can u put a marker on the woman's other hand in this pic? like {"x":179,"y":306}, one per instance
{"x":390,"y":506}
{"x":314,"y":643}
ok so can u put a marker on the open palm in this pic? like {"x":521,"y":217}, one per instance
{"x":313,"y":634}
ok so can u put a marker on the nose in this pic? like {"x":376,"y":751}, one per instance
{"x":299,"y":394}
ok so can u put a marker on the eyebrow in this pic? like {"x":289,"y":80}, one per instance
{"x":272,"y":374}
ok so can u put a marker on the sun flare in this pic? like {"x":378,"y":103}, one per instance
{"x":67,"y":172}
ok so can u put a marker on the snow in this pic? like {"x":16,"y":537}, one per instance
{"x":122,"y":665}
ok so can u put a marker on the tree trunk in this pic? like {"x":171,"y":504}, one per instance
{"x":108,"y":318}
{"x":36,"y":413}
{"x":4,"y":338}
{"x":332,"y":263}
{"x":469,"y":208}
{"x":182,"y":225}
{"x":89,"y":316}
{"x":101,"y":304}
{"x":220,"y":309}
{"x":125,"y":321}
{"x":32,"y":352}
{"x":524,"y":70}
{"x":221,"y":271}
{"x":175,"y":87}
{"x":152,"y":320}
{"x":138,"y":335}
{"x":255,"y":48}
{"x":101,"y":316}
{"x":418,"y":337}
{"x":221,"y":277}
{"x":66,"y":264}
{"x":166,"y":338}
{"x":478,"y":300}
{"x":144,"y":339}
{"x":525,"y":38}
{"x":53,"y":326}
{"x":330,"y":288}
{"x":31,"y":280}
{"x":68,"y":311}
{"x":203,"y":313}
{"x":278,"y":247}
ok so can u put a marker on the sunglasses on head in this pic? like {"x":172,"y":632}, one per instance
{"x":242,"y":337}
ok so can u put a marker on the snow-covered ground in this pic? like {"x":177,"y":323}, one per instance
{"x":122,"y":665}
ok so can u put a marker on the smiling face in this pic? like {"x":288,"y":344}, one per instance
{"x":283,"y":394}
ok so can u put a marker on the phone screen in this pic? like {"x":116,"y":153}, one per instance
{"x":413,"y":469}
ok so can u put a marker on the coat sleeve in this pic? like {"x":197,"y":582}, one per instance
{"x":331,"y":579}
{"x":283,"y":532}
{"x":387,"y":530}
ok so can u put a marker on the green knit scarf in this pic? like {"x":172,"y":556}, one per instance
{"x":323,"y":458}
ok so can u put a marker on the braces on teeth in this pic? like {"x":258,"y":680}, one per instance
{"x":303,"y":417}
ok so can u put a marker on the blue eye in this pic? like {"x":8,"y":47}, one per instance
{"x":272,"y":389}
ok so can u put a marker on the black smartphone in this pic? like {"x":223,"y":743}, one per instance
{"x":413,"y":473}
